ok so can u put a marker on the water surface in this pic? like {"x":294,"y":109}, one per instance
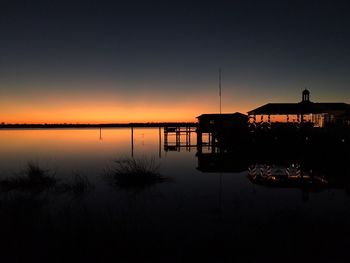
{"x":219,"y":215}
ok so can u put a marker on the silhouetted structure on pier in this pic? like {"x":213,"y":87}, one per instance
{"x":317,"y":114}
{"x":220,"y":127}
{"x":177,"y":132}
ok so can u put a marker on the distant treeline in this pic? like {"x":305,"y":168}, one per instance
{"x":104,"y":125}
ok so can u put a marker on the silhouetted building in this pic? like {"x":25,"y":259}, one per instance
{"x":221,"y":128}
{"x":319,"y":114}
{"x":208,"y":123}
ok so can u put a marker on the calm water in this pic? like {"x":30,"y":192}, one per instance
{"x":213,"y":215}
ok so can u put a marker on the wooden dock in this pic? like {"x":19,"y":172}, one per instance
{"x":178,"y":133}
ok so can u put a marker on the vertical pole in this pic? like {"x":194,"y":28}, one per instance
{"x":178,"y":139}
{"x":187,"y":132}
{"x":199,"y":141}
{"x":220,"y":87}
{"x":189,"y":140}
{"x":209,"y":140}
{"x":100,"y":134}
{"x":160,"y":142}
{"x":165,"y":136}
{"x":132,"y":141}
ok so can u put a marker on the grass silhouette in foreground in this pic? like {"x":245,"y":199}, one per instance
{"x":79,"y":185}
{"x":128,"y":173}
{"x":36,"y":180}
{"x":131,"y":173}
{"x":33,"y":179}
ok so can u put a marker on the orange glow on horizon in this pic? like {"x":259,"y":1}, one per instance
{"x":112,"y":115}
{"x":109,"y":107}
{"x":94,"y":113}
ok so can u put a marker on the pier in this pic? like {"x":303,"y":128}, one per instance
{"x":173,"y":138}
{"x":176,"y":137}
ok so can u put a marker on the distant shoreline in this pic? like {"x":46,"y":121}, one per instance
{"x":105,"y":125}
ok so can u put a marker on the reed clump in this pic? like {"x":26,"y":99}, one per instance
{"x":78,"y":185}
{"x":32,"y":178}
{"x":135,"y":173}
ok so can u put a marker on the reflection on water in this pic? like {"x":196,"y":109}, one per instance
{"x":285,"y":176}
{"x":218,"y":207}
{"x":220,"y":163}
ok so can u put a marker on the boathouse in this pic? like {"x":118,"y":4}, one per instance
{"x":209,"y":123}
{"x":315,"y":113}
{"x":221,"y":129}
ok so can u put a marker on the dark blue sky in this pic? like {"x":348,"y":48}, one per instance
{"x":134,"y":55}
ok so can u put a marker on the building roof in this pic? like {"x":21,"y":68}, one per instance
{"x":306,"y":107}
{"x":235,"y":115}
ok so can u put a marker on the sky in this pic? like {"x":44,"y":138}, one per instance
{"x":149,"y":61}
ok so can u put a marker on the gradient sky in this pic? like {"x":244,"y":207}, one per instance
{"x":137,"y":61}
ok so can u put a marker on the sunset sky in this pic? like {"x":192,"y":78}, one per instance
{"x":139,"y":61}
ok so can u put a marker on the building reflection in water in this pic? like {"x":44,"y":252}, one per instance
{"x":309,"y":175}
{"x":214,"y":162}
{"x":288,"y":176}
{"x":309,"y":165}
{"x":284,"y":176}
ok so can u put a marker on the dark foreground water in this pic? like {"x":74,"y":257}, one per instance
{"x":213,"y":209}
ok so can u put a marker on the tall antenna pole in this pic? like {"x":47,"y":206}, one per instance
{"x":220,"y":87}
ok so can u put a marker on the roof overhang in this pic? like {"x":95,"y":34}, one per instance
{"x":299,"y":108}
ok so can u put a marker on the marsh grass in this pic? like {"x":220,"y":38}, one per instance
{"x":131,"y":173}
{"x":33,"y":179}
{"x":79,"y":185}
